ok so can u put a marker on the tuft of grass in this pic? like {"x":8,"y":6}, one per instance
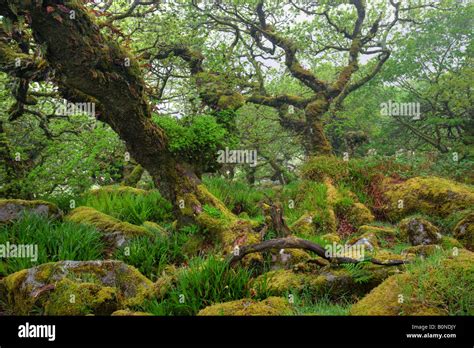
{"x":439,"y":283}
{"x":55,"y":241}
{"x":237,"y":194}
{"x":151,"y":257}
{"x":130,"y":207}
{"x":305,"y":304}
{"x":306,"y":196}
{"x":203,"y":283}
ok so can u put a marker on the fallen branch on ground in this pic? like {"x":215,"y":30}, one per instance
{"x":298,"y":243}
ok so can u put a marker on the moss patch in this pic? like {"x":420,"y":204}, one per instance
{"x":321,"y":167}
{"x":443,"y":287}
{"x":432,"y":196}
{"x":75,"y":288}
{"x":332,"y":281}
{"x":464,"y":231}
{"x":269,"y":306}
{"x":116,"y":232}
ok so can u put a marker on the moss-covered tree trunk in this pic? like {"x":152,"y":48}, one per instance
{"x":91,"y":68}
{"x":315,"y":140}
{"x":134,"y":176}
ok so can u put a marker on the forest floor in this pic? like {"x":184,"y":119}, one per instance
{"x":117,"y":250}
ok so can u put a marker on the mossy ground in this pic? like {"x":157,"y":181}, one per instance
{"x":182,"y":270}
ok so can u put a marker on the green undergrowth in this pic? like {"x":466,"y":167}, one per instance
{"x":305,"y":304}
{"x":238,"y":196}
{"x":128,"y":206}
{"x":151,"y":257}
{"x":203,"y":283}
{"x":437,"y":281}
{"x":54,"y":240}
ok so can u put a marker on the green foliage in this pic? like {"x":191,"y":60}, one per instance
{"x":195,"y":139}
{"x":359,"y":272}
{"x":151,"y":257}
{"x":306,"y":196}
{"x":203,"y":283}
{"x":320,"y":167}
{"x":305,"y":304}
{"x":55,"y":241}
{"x":128,"y":206}
{"x":212,"y":211}
{"x":237,"y":194}
{"x":437,"y":284}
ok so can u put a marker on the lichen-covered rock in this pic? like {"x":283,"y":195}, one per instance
{"x":270,"y":306}
{"x":326,"y":281}
{"x":419,"y":231}
{"x":116,"y":232}
{"x":402,"y":294}
{"x":11,"y":209}
{"x":431,"y":196}
{"x":75,"y":288}
{"x":286,"y":258}
{"x":374,"y":237}
{"x":464,"y":231}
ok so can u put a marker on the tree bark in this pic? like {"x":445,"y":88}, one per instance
{"x":316,"y":142}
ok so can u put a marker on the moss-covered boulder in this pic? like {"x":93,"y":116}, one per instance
{"x":331,"y":238}
{"x":11,"y":209}
{"x":316,"y":222}
{"x":464,"y":231}
{"x":116,"y":232}
{"x":419,"y":231}
{"x":319,"y":168}
{"x":431,"y":196}
{"x":373,"y":237}
{"x":332,"y":281}
{"x":439,"y":285}
{"x":270,"y":306}
{"x":75,"y":288}
{"x":358,"y":214}
{"x":287,"y":258}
